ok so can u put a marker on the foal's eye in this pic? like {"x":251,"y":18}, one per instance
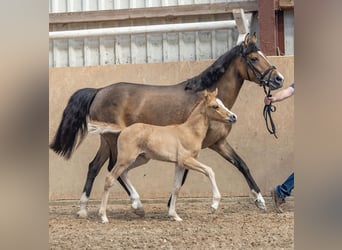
{"x":254,"y":59}
{"x":215,"y":107}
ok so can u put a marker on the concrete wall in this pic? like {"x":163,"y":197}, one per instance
{"x":270,"y":160}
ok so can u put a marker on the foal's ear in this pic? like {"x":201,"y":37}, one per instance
{"x":215,"y":92}
{"x":205,"y":93}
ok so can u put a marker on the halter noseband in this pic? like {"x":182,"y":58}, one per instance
{"x":260,"y":76}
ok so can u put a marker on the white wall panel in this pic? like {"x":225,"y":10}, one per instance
{"x":139,"y":51}
{"x":171,"y":47}
{"x":122,"y":49}
{"x":166,"y":47}
{"x":289,"y":32}
{"x":91,"y":51}
{"x":74,"y":5}
{"x":107,"y":51}
{"x":137,"y":4}
{"x":106,"y":4}
{"x":76,"y":52}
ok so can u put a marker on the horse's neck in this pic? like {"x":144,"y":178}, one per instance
{"x":198,"y":121}
{"x":229,"y":86}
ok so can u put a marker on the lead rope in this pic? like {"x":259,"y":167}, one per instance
{"x":268,"y":109}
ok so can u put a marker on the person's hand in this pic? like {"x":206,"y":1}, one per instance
{"x":269,"y":99}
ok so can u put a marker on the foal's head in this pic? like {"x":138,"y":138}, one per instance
{"x":216,"y":109}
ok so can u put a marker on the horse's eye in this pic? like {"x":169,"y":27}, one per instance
{"x":215,"y":107}
{"x":254,"y":59}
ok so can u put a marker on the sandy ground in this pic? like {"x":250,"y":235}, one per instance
{"x":237,"y":224}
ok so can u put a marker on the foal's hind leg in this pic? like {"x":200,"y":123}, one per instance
{"x":118,"y":169}
{"x":136,"y":203}
{"x":227,"y":152}
{"x":179,"y":172}
{"x":94,"y":168}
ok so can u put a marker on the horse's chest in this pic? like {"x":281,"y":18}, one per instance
{"x":217,"y":131}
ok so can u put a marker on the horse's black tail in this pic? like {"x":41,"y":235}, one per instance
{"x":73,"y":126}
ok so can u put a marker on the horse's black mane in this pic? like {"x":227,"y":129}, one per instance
{"x":211,"y":75}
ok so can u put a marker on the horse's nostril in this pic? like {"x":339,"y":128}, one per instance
{"x":279,"y":79}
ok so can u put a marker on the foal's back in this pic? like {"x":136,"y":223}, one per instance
{"x":164,"y":143}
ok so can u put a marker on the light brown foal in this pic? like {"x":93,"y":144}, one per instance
{"x":180,"y":144}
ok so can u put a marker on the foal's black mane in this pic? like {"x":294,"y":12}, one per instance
{"x":211,"y":75}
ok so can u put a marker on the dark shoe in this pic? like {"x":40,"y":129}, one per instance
{"x":277,"y":201}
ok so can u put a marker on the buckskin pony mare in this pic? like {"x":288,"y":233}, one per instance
{"x":179,"y":144}
{"x":126,"y":103}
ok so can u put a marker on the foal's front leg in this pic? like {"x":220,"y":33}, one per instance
{"x":179,"y":172}
{"x":194,"y":164}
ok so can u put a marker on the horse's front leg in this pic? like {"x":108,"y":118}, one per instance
{"x":227,"y":152}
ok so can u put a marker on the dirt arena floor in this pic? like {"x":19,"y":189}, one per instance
{"x":237,"y":224}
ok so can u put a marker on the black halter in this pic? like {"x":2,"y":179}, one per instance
{"x":265,"y":83}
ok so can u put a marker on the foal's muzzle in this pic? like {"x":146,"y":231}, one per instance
{"x":232,"y":118}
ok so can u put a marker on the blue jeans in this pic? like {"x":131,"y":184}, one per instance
{"x":285,"y":189}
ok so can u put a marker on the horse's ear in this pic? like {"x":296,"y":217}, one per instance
{"x":254,"y":38}
{"x":205,"y":93}
{"x":247,"y":39}
{"x":215,"y":92}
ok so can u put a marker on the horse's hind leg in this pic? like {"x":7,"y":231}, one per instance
{"x":183,"y":177}
{"x":179,"y":173}
{"x":227,"y":152}
{"x":94,"y":168}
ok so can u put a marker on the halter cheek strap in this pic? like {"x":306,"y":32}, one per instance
{"x":268,"y":109}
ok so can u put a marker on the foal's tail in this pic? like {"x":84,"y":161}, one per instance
{"x":73,"y":126}
{"x":96,"y":127}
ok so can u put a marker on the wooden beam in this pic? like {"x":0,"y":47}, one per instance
{"x":152,"y":12}
{"x":286,"y":4}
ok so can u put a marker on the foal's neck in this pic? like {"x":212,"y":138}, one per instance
{"x":198,"y":122}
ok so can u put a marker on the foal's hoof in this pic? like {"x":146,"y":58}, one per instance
{"x":213,"y":210}
{"x":139,"y":211}
{"x":82,"y":213}
{"x":175,"y":218}
{"x":260,"y":204}
{"x":104,"y":220}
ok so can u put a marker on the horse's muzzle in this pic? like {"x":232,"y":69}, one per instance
{"x":276,"y":81}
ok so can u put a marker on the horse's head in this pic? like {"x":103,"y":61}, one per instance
{"x":216,"y":109}
{"x":257,"y":68}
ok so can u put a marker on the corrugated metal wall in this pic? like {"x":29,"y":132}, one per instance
{"x":166,"y":47}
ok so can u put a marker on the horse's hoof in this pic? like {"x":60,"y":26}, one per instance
{"x":82,"y":214}
{"x":139,"y":211}
{"x":260,"y":204}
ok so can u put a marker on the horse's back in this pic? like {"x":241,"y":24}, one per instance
{"x":128,"y":103}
